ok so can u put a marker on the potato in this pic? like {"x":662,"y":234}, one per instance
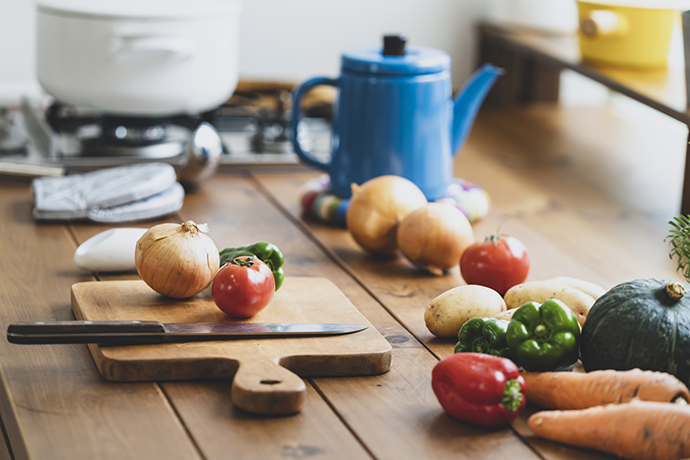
{"x":506,"y":315}
{"x":587,"y":287}
{"x":446,"y":314}
{"x":540,"y":291}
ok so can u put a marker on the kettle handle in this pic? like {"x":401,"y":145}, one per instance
{"x":294,"y":122}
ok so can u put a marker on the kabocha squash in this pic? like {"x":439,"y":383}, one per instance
{"x":640,"y":324}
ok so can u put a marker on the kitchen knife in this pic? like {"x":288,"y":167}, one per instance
{"x":151,"y":332}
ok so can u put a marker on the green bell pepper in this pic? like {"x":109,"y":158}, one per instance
{"x":483,"y":335}
{"x":543,"y":337}
{"x":267,"y":252}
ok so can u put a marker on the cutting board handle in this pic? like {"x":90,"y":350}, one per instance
{"x":264,"y":387}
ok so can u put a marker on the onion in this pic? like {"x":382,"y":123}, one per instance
{"x":435,"y":236}
{"x":176,"y":260}
{"x":377,"y":207}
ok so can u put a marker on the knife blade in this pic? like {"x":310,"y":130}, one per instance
{"x":153,"y":332}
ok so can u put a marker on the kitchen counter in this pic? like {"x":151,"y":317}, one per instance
{"x":575,"y":185}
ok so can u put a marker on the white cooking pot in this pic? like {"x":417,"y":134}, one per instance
{"x":139,"y":57}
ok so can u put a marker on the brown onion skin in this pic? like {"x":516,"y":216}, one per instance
{"x":177,"y":261}
{"x":435,"y":236}
{"x":377,"y":207}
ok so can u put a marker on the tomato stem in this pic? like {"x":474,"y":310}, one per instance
{"x":494,"y":238}
{"x":243,"y":261}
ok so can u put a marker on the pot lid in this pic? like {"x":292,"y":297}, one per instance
{"x":139,"y":9}
{"x":394,"y":58}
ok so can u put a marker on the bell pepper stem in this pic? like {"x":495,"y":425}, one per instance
{"x":541,"y":332}
{"x":512,"y":396}
{"x":481,"y":345}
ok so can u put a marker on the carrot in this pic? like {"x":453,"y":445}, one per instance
{"x":638,"y":430}
{"x":578,"y":390}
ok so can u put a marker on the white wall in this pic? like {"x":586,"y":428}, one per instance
{"x":287,"y":40}
{"x":17,"y":42}
{"x":297,"y":39}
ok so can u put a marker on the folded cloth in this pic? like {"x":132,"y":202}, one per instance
{"x":120,"y":194}
{"x":168,"y":201}
{"x":319,"y":204}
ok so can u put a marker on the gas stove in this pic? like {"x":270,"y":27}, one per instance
{"x":54,"y":139}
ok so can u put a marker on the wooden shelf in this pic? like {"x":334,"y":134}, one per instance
{"x":533,"y":62}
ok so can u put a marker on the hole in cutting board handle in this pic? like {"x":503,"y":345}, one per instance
{"x":271,"y":382}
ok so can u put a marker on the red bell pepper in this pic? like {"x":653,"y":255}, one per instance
{"x":479,"y":388}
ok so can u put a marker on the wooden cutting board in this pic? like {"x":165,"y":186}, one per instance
{"x":263,"y":370}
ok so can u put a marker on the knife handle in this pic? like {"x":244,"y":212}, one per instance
{"x":101,"y":332}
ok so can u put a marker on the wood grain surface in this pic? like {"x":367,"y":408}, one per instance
{"x":580,"y":187}
{"x":52,"y":401}
{"x":385,"y":412}
{"x":557,"y":183}
{"x":259,"y":368}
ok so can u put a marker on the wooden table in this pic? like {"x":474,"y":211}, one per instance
{"x":534,"y":60}
{"x":557,"y":183}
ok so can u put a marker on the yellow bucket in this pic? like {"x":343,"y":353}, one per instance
{"x":631,"y":34}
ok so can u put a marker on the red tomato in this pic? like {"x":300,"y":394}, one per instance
{"x":499,"y":262}
{"x":243,"y":287}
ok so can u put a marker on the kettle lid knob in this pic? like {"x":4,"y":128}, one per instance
{"x":394,"y":45}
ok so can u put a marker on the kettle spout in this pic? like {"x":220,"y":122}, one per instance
{"x":468,"y":101}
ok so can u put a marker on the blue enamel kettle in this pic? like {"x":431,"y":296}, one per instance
{"x":394,"y":114}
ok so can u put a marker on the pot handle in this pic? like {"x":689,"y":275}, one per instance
{"x":602,"y":23}
{"x":167,"y":47}
{"x":294,"y":122}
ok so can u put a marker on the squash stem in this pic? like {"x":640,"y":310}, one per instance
{"x":675,"y":290}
